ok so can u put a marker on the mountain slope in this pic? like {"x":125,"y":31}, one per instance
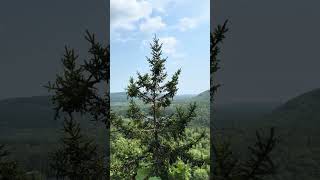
{"x":301,"y":111}
{"x":204,"y":96}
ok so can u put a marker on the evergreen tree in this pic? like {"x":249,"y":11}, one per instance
{"x":161,"y":137}
{"x":77,"y":158}
{"x":78,"y":91}
{"x":225,"y":165}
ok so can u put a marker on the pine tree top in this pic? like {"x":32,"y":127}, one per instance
{"x":151,"y":87}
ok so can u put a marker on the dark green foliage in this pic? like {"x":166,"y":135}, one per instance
{"x":9,"y":170}
{"x":258,"y":166}
{"x":77,"y":158}
{"x":134,"y":111}
{"x":78,"y":90}
{"x":161,"y":136}
{"x":225,"y":162}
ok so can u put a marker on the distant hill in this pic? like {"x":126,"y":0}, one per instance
{"x":301,"y":111}
{"x":118,"y":97}
{"x":183,"y":97}
{"x":297,"y":124}
{"x":204,"y":96}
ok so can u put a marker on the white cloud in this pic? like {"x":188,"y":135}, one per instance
{"x":125,"y":13}
{"x":170,"y":47}
{"x":152,"y":24}
{"x":187,"y":23}
{"x":161,"y":5}
{"x":123,"y":38}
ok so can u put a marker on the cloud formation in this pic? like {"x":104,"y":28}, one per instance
{"x":170,"y":47}
{"x":146,"y":16}
{"x":152,"y":24}
{"x":161,"y":5}
{"x":187,"y":23}
{"x":126,"y":13}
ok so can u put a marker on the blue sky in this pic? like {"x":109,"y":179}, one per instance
{"x":183,"y":27}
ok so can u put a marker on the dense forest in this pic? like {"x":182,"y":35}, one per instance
{"x":30,"y":142}
{"x":65,"y":135}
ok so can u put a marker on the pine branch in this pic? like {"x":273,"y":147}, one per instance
{"x":260,"y":163}
{"x":216,"y":38}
